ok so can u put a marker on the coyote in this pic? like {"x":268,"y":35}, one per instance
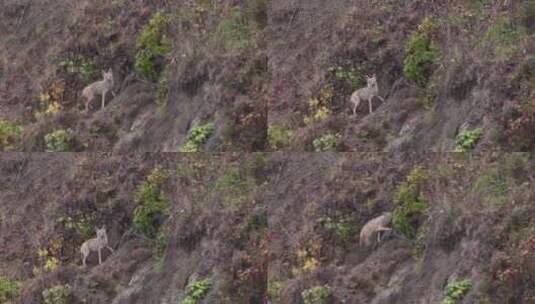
{"x":96,"y":244}
{"x":375,"y":226}
{"x":100,"y":87}
{"x":367,"y":93}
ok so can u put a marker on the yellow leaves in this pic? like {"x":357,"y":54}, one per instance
{"x":306,"y":258}
{"x":50,"y":100}
{"x":318,"y":107}
{"x":47,"y":260}
{"x":42,"y":252}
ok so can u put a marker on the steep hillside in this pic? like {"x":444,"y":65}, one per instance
{"x":455,"y":75}
{"x":210,"y":74}
{"x":173,"y":221}
{"x":461,"y":223}
{"x":246,"y":228}
{"x":188,"y":75}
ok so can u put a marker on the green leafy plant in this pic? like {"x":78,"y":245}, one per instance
{"x":80,"y":224}
{"x":152,"y":203}
{"x":273,"y":290}
{"x":197,"y":136}
{"x":10,"y":135}
{"x":456,"y":290}
{"x":59,"y":140}
{"x":152,"y":44}
{"x":325,"y":143}
{"x":467,"y":139}
{"x":351,"y":75}
{"x":196,"y":291}
{"x":278,"y":137}
{"x":80,"y":65}
{"x":58,"y":294}
{"x":316,"y":295}
{"x":162,"y":91}
{"x":9,"y":291}
{"x":420,"y":53}
{"x":419,"y":245}
{"x":160,"y":243}
{"x":343,"y":226}
{"x":410,"y":203}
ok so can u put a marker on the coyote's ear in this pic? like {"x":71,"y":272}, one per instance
{"x":109,"y":71}
{"x":103,"y":73}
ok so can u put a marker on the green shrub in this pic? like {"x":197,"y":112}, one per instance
{"x":455,"y":291}
{"x":197,"y":136}
{"x":410,"y":203}
{"x":420,"y":53}
{"x":9,"y":291}
{"x":162,"y":91}
{"x":10,"y":135}
{"x":351,"y":75}
{"x":419,"y":244}
{"x":343,"y":226}
{"x":80,"y":65}
{"x":58,"y":294}
{"x":152,"y":203}
{"x":278,"y":137}
{"x":59,"y":140}
{"x":274,"y":288}
{"x":467,"y":139}
{"x":152,"y":44}
{"x":325,"y":143}
{"x":233,"y":31}
{"x":196,"y":291}
{"x":316,"y":295}
{"x":80,"y":224}
{"x":160,"y":243}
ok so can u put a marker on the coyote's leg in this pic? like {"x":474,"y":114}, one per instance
{"x":379,"y":233}
{"x":103,"y":98}
{"x":370,"y":104}
{"x":111,"y":249}
{"x":355,"y":105}
{"x":99,"y":257}
{"x":84,"y":257}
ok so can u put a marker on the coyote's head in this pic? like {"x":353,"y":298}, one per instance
{"x":108,"y":76}
{"x":371,"y":81}
{"x":102,"y":236}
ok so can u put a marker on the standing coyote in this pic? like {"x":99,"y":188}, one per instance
{"x":375,"y":227}
{"x":96,"y":244}
{"x":98,"y":88}
{"x":367,"y":93}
